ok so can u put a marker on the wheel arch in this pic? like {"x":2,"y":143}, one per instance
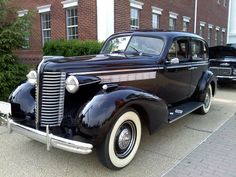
{"x":99,"y":114}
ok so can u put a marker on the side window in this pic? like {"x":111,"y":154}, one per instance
{"x":179,"y":49}
{"x":198,"y":50}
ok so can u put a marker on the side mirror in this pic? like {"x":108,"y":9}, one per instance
{"x":174,"y":61}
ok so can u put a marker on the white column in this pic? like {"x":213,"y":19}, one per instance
{"x":105,"y":19}
{"x":195,"y":16}
{"x":232,"y":22}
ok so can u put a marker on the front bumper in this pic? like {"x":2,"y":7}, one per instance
{"x":46,"y":137}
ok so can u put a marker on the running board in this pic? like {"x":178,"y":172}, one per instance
{"x":182,"y":110}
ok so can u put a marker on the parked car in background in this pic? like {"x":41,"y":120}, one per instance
{"x":223,"y":63}
{"x":139,"y":78}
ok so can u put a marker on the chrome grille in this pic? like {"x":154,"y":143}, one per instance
{"x":221,"y":71}
{"x":53,"y":92}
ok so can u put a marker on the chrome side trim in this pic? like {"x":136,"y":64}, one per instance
{"x":116,"y":71}
{"x":47,"y":138}
{"x":127,"y":77}
{"x":37,"y":95}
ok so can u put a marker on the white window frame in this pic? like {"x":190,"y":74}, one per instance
{"x":186,"y":21}
{"x":136,"y":4}
{"x":71,"y":26}
{"x":158,"y":12}
{"x":42,"y":10}
{"x":22,"y":13}
{"x":69,"y":3}
{"x":133,"y":26}
{"x":217,"y":35}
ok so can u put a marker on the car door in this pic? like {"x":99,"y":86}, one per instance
{"x":176,"y":78}
{"x":199,"y":59}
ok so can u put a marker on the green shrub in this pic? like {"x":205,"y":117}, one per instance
{"x":71,"y":48}
{"x":12,"y":73}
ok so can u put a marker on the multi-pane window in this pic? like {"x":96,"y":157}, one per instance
{"x":201,"y":30}
{"x":25,"y":30}
{"x":155,"y":21}
{"x":216,"y":37}
{"x":185,"y":26}
{"x":134,"y":18}
{"x":209,"y":36}
{"x":172,"y":23}
{"x":72,"y":23}
{"x":46,"y":27}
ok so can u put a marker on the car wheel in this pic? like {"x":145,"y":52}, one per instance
{"x":207,"y":101}
{"x":122,"y":141}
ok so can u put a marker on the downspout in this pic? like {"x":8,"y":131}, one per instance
{"x":229,"y":21}
{"x":195,"y":16}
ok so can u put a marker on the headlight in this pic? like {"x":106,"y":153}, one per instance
{"x":72,"y":84}
{"x":32,"y":77}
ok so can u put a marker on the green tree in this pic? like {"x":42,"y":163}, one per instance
{"x":12,"y":35}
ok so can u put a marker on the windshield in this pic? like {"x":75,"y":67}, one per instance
{"x":134,"y":45}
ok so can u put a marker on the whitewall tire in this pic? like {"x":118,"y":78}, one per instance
{"x":122,"y":141}
{"x":207,"y":101}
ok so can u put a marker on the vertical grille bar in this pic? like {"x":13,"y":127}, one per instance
{"x":52,"y":96}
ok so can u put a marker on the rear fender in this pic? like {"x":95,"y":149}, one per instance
{"x":100,"y":113}
{"x":206,"y":79}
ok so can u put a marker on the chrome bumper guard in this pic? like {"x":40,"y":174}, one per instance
{"x":46,"y":137}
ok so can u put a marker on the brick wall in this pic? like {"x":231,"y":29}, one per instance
{"x":208,"y":11}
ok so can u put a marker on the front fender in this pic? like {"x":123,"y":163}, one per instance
{"x":22,"y":101}
{"x":99,"y":114}
{"x":206,"y":79}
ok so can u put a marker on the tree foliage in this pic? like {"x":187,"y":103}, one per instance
{"x":12,"y":35}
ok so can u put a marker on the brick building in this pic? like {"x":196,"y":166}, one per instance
{"x":97,"y":19}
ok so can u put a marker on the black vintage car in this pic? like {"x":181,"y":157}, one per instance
{"x":139,"y":78}
{"x":223,"y":63}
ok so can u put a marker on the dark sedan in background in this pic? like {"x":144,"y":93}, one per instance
{"x":223,"y":63}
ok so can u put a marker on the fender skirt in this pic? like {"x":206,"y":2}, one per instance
{"x":100,"y":113}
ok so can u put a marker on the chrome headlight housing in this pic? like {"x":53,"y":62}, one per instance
{"x":72,"y":84}
{"x":32,"y":77}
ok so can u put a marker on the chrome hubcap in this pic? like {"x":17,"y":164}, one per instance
{"x":207,"y":99}
{"x":124,"y":139}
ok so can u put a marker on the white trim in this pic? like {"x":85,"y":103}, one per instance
{"x":105,"y":19}
{"x":217,"y":28}
{"x":157,"y":10}
{"x":210,"y":26}
{"x":22,"y":13}
{"x":223,"y":30}
{"x":136,"y":4}
{"x":43,"y":9}
{"x":69,"y":3}
{"x":202,"y":23}
{"x":186,"y":19}
{"x":173,"y":15}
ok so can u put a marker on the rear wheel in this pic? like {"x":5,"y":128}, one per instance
{"x":207,"y":101}
{"x":122,"y":141}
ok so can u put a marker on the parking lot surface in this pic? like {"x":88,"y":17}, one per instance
{"x":20,"y":156}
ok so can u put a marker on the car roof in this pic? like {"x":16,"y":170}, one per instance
{"x":165,"y":34}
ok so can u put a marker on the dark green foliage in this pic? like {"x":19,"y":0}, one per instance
{"x":71,"y":48}
{"x":12,"y":72}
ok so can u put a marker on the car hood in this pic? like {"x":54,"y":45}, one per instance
{"x":97,"y":63}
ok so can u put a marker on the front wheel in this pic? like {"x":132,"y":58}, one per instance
{"x":122,"y":141}
{"x":207,"y":101}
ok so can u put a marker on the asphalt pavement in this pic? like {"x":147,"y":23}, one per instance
{"x":158,"y":154}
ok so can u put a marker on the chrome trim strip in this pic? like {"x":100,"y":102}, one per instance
{"x":37,"y":95}
{"x":227,"y":77}
{"x":47,"y":138}
{"x":127,"y":77}
{"x":215,"y":67}
{"x":116,"y":71}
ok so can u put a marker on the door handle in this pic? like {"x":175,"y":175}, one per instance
{"x":192,"y":68}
